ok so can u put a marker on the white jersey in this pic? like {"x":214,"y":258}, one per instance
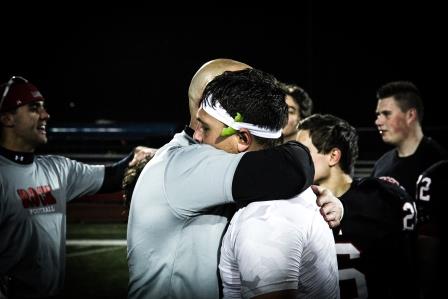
{"x":32,"y":219}
{"x":174,"y":231}
{"x":279,"y":245}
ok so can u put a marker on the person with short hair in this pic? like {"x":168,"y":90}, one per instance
{"x":374,"y":243}
{"x":34,"y":191}
{"x":279,"y":248}
{"x":300,"y":105}
{"x":180,"y":203}
{"x":399,"y":116}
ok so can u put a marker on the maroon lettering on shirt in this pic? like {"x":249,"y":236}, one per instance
{"x":36,"y":196}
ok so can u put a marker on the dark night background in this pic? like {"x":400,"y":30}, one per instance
{"x":135,"y":65}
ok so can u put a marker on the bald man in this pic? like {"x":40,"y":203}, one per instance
{"x":184,"y":198}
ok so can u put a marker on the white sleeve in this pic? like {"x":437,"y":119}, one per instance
{"x":198,"y":177}
{"x":80,"y":178}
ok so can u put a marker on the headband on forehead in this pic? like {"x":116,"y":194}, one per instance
{"x":221,"y":114}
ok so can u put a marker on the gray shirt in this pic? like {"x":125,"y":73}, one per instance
{"x":33,"y":201}
{"x":176,"y":221}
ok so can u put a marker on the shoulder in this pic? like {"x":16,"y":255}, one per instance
{"x":200,"y":154}
{"x":433,"y":179}
{"x":432,"y":146}
{"x":53,"y":159}
{"x":438,"y":168}
{"x":181,"y":139}
{"x":389,"y":155}
{"x":380,"y":188}
{"x":384,"y":162}
{"x":284,"y":211}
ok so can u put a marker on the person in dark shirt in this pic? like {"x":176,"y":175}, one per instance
{"x":399,"y":116}
{"x":432,"y":204}
{"x":374,"y":242}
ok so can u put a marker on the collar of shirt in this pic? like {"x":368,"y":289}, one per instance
{"x":17,"y":157}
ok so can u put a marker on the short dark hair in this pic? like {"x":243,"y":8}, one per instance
{"x":327,"y":132}
{"x":254,"y":94}
{"x":301,"y":97}
{"x":405,"y":93}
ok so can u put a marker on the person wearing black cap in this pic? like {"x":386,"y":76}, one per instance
{"x":34,"y":191}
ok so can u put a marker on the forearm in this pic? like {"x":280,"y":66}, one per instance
{"x":277,"y":173}
{"x":113,"y":175}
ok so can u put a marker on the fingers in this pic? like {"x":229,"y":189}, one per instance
{"x":317,"y":189}
{"x":331,"y":207}
{"x":140,"y":153}
{"x":324,"y":195}
{"x":331,"y":217}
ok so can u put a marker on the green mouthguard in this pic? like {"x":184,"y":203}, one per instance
{"x":230,"y":131}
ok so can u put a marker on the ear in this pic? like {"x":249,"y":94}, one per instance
{"x":244,"y":141}
{"x":334,"y":156}
{"x":7,"y":120}
{"x":411,"y":115}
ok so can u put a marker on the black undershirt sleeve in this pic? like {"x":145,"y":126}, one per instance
{"x":113,"y":175}
{"x":276,"y":173}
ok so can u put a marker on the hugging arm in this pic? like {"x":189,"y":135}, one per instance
{"x":277,"y":173}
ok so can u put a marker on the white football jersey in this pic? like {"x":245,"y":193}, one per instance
{"x":279,"y":245}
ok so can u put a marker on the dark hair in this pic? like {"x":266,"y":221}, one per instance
{"x":405,"y":93}
{"x":301,"y":97}
{"x":327,"y":132}
{"x":256,"y":95}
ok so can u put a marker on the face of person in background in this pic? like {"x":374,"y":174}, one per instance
{"x":290,"y":130}
{"x":320,"y":161}
{"x":391,"y":122}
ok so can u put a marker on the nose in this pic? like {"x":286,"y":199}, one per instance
{"x":197,"y":135}
{"x":378,"y":121}
{"x":44,"y":114}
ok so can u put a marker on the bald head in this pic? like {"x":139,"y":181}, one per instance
{"x":203,"y":76}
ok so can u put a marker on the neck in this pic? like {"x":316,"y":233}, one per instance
{"x":291,"y":137}
{"x":409,"y":145}
{"x":17,"y":147}
{"x":255,"y":146}
{"x":193,"y":123}
{"x":338,"y":182}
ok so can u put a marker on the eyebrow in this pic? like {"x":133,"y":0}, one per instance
{"x":201,"y":121}
{"x":384,"y":111}
{"x":36,"y":103}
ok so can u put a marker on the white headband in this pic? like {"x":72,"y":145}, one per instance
{"x":221,"y":114}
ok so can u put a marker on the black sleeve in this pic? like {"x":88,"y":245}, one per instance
{"x":276,"y":173}
{"x":113,"y":175}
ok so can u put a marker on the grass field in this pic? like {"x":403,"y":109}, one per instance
{"x":96,"y":271}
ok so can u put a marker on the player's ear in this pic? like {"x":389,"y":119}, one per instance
{"x":335,"y":156}
{"x":7,"y":119}
{"x":244,"y":140}
{"x":411,"y":114}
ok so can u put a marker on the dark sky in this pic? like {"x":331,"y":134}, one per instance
{"x":136,"y":65}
